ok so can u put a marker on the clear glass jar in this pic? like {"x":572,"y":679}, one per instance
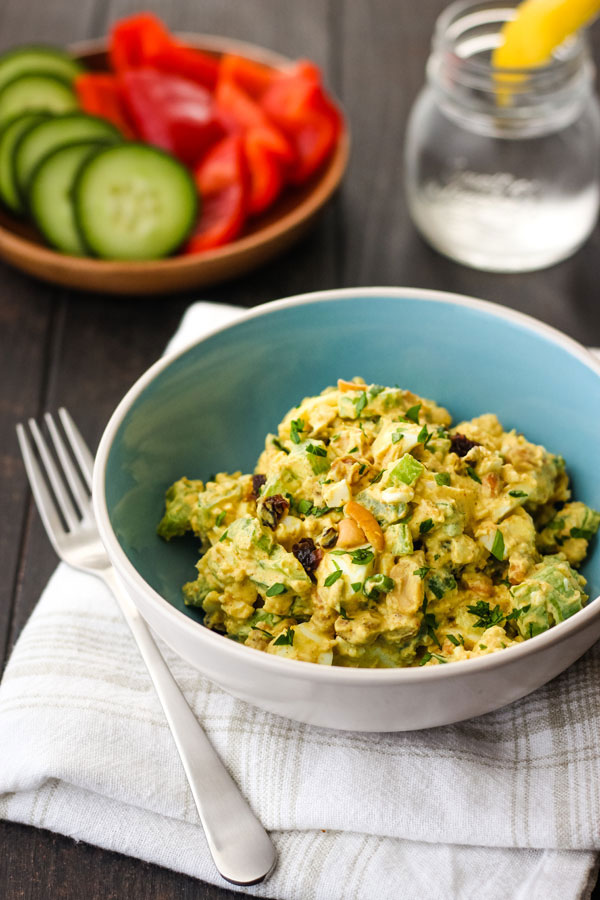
{"x":502,"y":166}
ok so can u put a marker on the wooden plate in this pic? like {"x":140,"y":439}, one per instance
{"x":267,"y":235}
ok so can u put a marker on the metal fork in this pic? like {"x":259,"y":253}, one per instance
{"x":241,"y":848}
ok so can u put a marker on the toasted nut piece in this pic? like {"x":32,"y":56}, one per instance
{"x":350,"y":385}
{"x":349,"y":534}
{"x":369,"y":524}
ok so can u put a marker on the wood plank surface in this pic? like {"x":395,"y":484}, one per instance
{"x":63,"y":348}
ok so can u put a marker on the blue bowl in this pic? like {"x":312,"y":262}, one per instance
{"x":209,"y":408}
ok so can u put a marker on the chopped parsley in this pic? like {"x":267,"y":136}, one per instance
{"x":457,"y":641}
{"x":498,"y":545}
{"x":220,"y":518}
{"x":517,"y":494}
{"x":360,"y":402}
{"x":356,"y":586}
{"x":424,"y":436}
{"x":442,"y":478}
{"x":378,"y":477}
{"x":425,"y":659}
{"x":354,"y":449}
{"x":275,"y":589}
{"x":473,"y":474}
{"x":296,"y":426}
{"x":485,"y":616}
{"x":344,"y":614}
{"x":413,"y":413}
{"x":262,"y":631}
{"x":581,"y":533}
{"x":223,"y":536}
{"x":426,"y":526}
{"x":422,"y":572}
{"x":397,"y":436}
{"x":362,"y":469}
{"x":277,"y":443}
{"x":333,"y":576}
{"x":286,"y":637}
{"x":483,"y":646}
{"x":316,"y":451}
{"x":362,"y":557}
{"x":519,"y":611}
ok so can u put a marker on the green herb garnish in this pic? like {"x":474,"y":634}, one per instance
{"x":220,"y":518}
{"x":304,"y":507}
{"x":316,"y":451}
{"x":397,"y":436}
{"x":286,"y":637}
{"x":498,"y":545}
{"x":223,"y":536}
{"x":296,"y":426}
{"x":344,"y":614}
{"x":360,"y":402}
{"x":473,"y":474}
{"x":517,"y":494}
{"x":277,"y":443}
{"x":426,"y":526}
{"x":333,"y":577}
{"x":425,"y":659}
{"x":485,"y":616}
{"x":275,"y":589}
{"x":356,"y":586}
{"x":413,"y":413}
{"x":377,"y":477}
{"x":442,"y":478}
{"x":581,"y":533}
{"x":362,"y":557}
{"x":453,"y":640}
{"x":422,"y":572}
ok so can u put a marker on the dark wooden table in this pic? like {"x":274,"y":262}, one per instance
{"x":58,"y":347}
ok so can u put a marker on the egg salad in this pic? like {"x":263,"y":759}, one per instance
{"x":375,"y":533}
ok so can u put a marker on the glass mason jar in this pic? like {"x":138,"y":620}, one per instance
{"x":502,"y":165}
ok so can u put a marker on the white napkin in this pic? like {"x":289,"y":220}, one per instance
{"x":503,"y":806}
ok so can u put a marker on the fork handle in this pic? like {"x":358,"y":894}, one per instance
{"x":241,"y":848}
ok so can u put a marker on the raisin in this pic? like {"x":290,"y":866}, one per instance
{"x":329,"y":538}
{"x":257,"y":483}
{"x":461,"y":444}
{"x":308,"y":555}
{"x":273,"y":509}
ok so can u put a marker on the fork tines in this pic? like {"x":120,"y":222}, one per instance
{"x":62,"y":499}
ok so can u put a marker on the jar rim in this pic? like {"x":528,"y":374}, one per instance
{"x":455,"y":21}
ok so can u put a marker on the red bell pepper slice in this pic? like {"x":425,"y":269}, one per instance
{"x":177,"y":59}
{"x":240,"y":113}
{"x":298,"y":105}
{"x":135,"y":38}
{"x":222,"y":179}
{"x":99,"y":95}
{"x":252,"y":77}
{"x":266,"y":168}
{"x":171,"y":112}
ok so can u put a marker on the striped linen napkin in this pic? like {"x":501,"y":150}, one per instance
{"x":503,"y":806}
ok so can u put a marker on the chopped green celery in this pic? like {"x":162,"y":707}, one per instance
{"x":553,"y":592}
{"x":398,"y":539}
{"x":385,"y":513}
{"x":574,"y":520}
{"x":406,"y":470}
{"x":181,"y":499}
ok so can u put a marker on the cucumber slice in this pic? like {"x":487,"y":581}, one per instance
{"x":50,"y":200}
{"x":35,"y":91}
{"x":16,"y":128}
{"x":134,"y":201}
{"x":57,"y":132}
{"x":37,"y":58}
